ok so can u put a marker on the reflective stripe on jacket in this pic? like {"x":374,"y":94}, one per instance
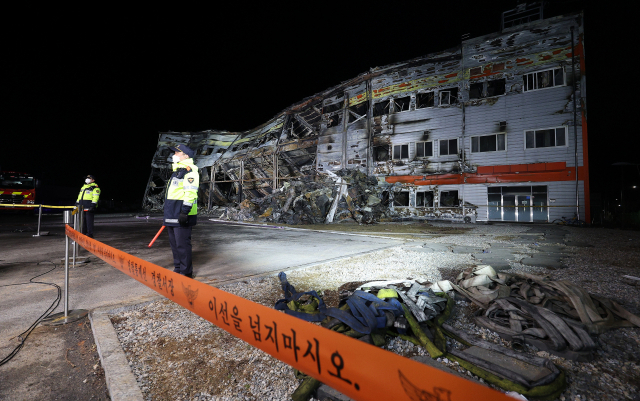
{"x":89,"y":193}
{"x":181,"y":193}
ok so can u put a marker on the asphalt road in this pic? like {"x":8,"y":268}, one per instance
{"x":221,"y":252}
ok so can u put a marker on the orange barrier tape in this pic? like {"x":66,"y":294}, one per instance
{"x":357,"y":369}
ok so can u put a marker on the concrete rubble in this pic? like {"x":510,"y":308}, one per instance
{"x":347,"y":195}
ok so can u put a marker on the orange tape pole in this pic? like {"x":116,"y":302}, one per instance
{"x":359,"y":370}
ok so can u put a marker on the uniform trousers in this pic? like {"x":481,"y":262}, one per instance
{"x":87,"y":224}
{"x":180,"y":240}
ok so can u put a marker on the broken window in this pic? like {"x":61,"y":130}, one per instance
{"x":491,"y":88}
{"x":424,"y":199}
{"x":358,"y":111}
{"x":496,"y":87}
{"x":424,"y":100}
{"x":544,"y":79}
{"x":545,"y":138}
{"x":498,"y":67}
{"x":448,"y":147}
{"x":401,"y":152}
{"x":381,"y":153}
{"x":334,"y":120}
{"x":401,"y":104}
{"x":449,"y":199}
{"x":424,"y":149}
{"x":448,"y":96}
{"x":476,"y":90}
{"x":488,"y":143}
{"x":381,"y":108}
{"x":401,"y":199}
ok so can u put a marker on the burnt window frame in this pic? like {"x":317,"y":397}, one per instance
{"x":447,"y":90}
{"x":423,"y":149}
{"x":566,"y":137}
{"x":433,"y":99}
{"x":525,"y":80}
{"x":395,"y":104}
{"x":408,"y":199}
{"x":477,"y":137}
{"x":448,"y":141}
{"x":387,"y":107}
{"x":393,"y":151}
{"x":351,"y":111}
{"x":433,"y":198}
{"x":484,"y":93}
{"x":447,"y":191}
{"x":389,"y":150}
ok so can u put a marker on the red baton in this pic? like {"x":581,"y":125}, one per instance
{"x":156,"y":237}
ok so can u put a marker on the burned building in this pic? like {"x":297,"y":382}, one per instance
{"x":492,"y":130}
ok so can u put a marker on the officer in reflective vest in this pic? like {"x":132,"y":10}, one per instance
{"x":180,"y":207}
{"x":88,"y":200}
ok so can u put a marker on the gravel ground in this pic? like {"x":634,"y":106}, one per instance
{"x":177,"y":355}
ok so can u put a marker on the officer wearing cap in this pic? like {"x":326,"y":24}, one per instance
{"x":180,"y":207}
{"x":88,"y":201}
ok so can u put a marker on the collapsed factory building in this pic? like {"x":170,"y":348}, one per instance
{"x":492,"y":130}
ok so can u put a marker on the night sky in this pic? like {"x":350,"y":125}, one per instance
{"x":87,"y":91}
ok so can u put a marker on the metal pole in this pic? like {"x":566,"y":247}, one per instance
{"x":67,"y":218}
{"x":81,"y":211}
{"x":39,"y":219}
{"x":75,"y":243}
{"x":575,"y":122}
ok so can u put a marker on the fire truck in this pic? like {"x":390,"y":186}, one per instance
{"x":17,"y":189}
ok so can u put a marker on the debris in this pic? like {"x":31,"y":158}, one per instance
{"x":371,"y":318}
{"x":346,"y":195}
{"x":554,"y":316}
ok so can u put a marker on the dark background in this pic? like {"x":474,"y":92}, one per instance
{"x":86,"y":91}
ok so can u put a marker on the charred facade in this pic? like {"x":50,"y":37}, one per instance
{"x":493,"y":130}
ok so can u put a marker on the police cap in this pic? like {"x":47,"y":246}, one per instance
{"x":184,"y":149}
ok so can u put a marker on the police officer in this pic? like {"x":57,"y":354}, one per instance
{"x":180,"y":207}
{"x":88,"y":200}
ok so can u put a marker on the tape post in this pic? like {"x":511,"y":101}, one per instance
{"x":357,"y":369}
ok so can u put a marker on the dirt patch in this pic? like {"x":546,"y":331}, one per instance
{"x":56,"y":363}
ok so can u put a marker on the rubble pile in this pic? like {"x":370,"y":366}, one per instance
{"x":347,"y":195}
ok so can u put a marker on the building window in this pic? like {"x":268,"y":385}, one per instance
{"x":448,"y":147}
{"x":488,"y":143}
{"x":381,"y":108}
{"x":424,"y":199}
{"x":401,"y":104}
{"x":358,"y":111}
{"x":381,"y":153}
{"x":448,"y":96}
{"x":400,"y":152}
{"x":401,"y":199}
{"x":544,"y":79}
{"x":424,"y":100}
{"x":333,"y":120}
{"x":546,"y":138}
{"x":424,"y":149}
{"x":495,"y":87}
{"x":449,"y":199}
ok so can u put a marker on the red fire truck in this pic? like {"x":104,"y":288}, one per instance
{"x":17,"y":189}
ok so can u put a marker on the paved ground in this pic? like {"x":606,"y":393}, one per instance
{"x":222,"y":252}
